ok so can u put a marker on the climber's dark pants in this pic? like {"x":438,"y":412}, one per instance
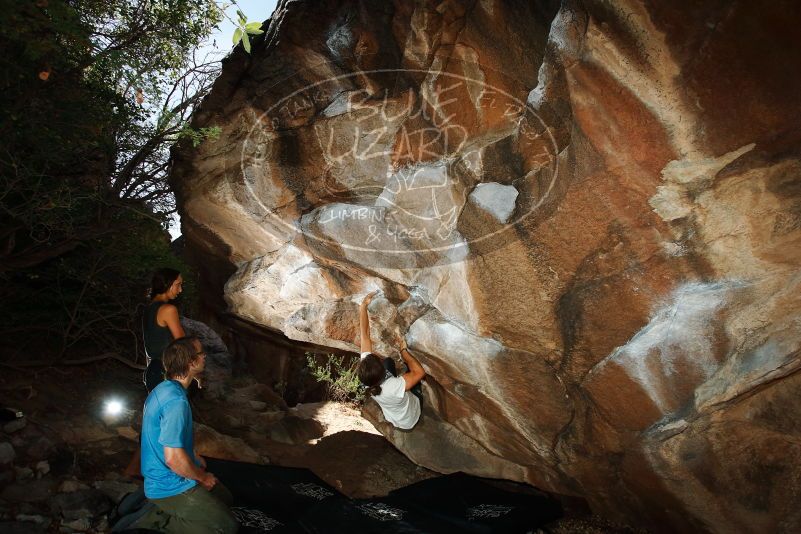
{"x":417,"y":390}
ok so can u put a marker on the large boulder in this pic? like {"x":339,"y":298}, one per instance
{"x":217,"y":375}
{"x":585,"y":219}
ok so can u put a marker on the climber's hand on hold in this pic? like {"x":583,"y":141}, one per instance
{"x":369,"y":298}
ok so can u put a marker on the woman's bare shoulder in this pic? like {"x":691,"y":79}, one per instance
{"x":167,"y":311}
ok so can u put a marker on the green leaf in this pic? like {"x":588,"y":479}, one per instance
{"x":252,"y":27}
{"x":246,"y":42}
{"x":237,"y":36}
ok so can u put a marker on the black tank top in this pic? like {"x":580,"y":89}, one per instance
{"x":156,"y":337}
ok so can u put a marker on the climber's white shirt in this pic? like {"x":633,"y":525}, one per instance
{"x":400,"y":407}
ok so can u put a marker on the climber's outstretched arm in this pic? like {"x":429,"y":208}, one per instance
{"x":364,"y":324}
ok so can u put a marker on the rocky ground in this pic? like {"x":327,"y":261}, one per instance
{"x":62,"y":463}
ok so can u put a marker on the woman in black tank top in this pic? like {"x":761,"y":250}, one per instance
{"x":160,"y":325}
{"x":160,"y":322}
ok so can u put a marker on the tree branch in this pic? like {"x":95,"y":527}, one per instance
{"x":82,"y":361}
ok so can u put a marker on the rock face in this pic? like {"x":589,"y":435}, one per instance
{"x":585,"y":218}
{"x":218,"y":360}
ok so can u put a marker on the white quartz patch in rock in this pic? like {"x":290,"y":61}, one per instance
{"x":468,"y":353}
{"x":679,"y":335}
{"x":339,"y":106}
{"x":496,"y":199}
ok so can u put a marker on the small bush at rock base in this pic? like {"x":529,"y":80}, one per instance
{"x":339,"y":374}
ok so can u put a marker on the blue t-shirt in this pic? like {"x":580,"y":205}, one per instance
{"x":166,"y":422}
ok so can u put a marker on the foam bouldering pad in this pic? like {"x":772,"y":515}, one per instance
{"x":283,"y":499}
{"x":278,"y":500}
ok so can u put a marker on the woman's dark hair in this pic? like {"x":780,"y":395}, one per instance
{"x":162,"y":280}
{"x":179,"y":355}
{"x":371,"y":372}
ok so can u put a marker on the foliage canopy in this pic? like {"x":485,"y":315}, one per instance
{"x":92,"y":95}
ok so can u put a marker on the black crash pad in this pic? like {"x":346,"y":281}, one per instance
{"x":277,"y":500}
{"x":295,"y":500}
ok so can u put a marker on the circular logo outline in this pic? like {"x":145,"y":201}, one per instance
{"x":296,"y":226}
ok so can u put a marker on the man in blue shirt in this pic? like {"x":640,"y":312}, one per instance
{"x":176,"y":481}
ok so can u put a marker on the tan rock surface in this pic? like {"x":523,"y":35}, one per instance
{"x":620,"y":320}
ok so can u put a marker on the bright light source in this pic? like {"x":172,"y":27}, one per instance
{"x":114,"y":407}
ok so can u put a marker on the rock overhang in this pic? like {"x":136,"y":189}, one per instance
{"x":640,"y":277}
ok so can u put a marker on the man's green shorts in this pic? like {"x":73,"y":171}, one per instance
{"x":195,"y":511}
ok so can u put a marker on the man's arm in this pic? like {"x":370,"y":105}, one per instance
{"x":200,"y":459}
{"x":182,"y":465}
{"x":416,"y":372}
{"x":364,"y":324}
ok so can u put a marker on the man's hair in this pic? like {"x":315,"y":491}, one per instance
{"x":179,"y":355}
{"x":371,"y":373}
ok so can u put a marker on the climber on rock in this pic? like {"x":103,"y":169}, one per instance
{"x":399,"y":397}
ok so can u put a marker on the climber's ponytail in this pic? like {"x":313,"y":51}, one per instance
{"x":371,"y":373}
